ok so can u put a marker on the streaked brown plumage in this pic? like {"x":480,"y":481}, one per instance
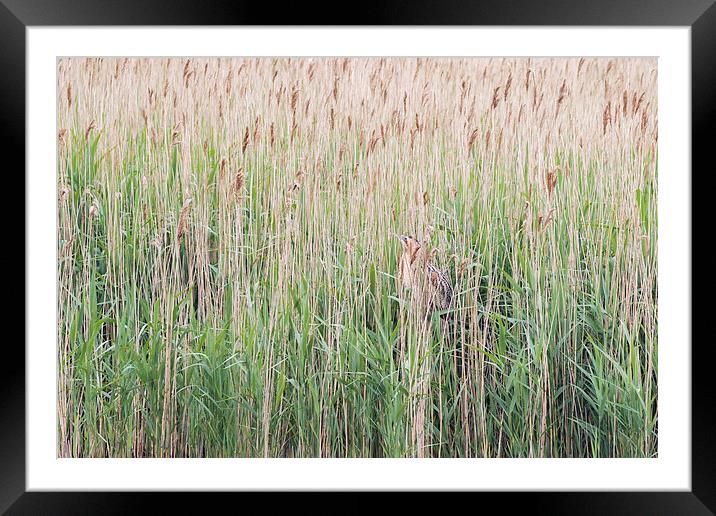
{"x":416,"y":272}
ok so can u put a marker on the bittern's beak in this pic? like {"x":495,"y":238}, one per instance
{"x":403,"y":239}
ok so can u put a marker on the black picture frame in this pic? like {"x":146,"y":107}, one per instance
{"x":700,"y":15}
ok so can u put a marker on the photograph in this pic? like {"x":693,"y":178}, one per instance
{"x":357,"y":257}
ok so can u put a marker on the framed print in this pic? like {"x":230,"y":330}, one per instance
{"x":428,"y":257}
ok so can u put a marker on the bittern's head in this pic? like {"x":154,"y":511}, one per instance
{"x":411,"y":246}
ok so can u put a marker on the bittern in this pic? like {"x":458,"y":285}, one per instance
{"x":429,"y":286}
{"x":416,"y":272}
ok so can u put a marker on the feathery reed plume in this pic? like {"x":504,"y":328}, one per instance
{"x":239,"y":180}
{"x":625,"y":103}
{"x":372,"y":143}
{"x":543,"y":221}
{"x":551,"y":180}
{"x":91,"y":127}
{"x":638,"y":103}
{"x":495,"y":97}
{"x":562,"y":94}
{"x":257,"y":130}
{"x":606,"y":117}
{"x":245,"y":142}
{"x":182,"y":225}
{"x":187,"y":73}
{"x":507,"y":86}
{"x":471,"y":139}
{"x":222,"y":169}
{"x":294,"y":98}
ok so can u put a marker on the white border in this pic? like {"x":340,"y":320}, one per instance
{"x":671,"y":470}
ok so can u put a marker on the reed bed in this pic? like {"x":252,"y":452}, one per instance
{"x":226,"y":263}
